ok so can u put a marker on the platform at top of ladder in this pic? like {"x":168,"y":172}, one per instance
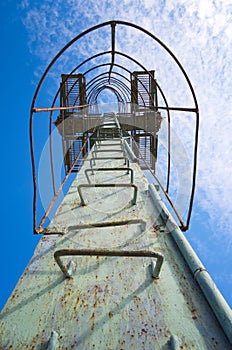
{"x":109,"y":120}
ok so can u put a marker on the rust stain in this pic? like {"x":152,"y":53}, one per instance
{"x":137,"y":300}
{"x":92,"y":320}
{"x":157,"y":228}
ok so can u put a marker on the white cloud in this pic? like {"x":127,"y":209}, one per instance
{"x":199,"y":33}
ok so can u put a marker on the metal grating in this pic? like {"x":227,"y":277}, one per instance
{"x":73,"y":149}
{"x":73,"y":90}
{"x":143,"y":89}
{"x":147,"y":150}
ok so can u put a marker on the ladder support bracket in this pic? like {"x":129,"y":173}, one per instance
{"x":53,"y":342}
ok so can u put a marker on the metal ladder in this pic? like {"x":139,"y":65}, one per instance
{"x":109,"y":133}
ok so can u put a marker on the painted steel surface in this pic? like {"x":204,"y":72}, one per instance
{"x":111,"y":302}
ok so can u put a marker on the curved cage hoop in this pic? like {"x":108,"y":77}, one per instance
{"x":147,"y":108}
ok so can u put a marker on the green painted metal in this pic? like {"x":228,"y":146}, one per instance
{"x":201,"y":275}
{"x":113,"y":302}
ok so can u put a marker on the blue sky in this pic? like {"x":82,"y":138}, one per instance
{"x":199,"y":33}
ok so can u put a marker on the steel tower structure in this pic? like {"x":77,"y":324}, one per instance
{"x":113,"y":269}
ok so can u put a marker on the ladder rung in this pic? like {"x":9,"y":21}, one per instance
{"x":79,"y":187}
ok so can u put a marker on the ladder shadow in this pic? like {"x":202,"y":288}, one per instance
{"x":31,"y":299}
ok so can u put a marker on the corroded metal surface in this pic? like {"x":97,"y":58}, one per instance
{"x":111,"y":302}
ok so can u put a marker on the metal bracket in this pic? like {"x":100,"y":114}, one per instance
{"x":107,"y":185}
{"x":114,"y":253}
{"x":53,"y":341}
{"x":175,"y":345}
{"x":110,"y":169}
